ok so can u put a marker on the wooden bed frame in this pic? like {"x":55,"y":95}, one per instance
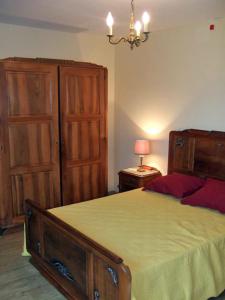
{"x":82,"y":269}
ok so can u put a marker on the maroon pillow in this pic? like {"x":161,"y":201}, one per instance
{"x":212,"y":195}
{"x":176,"y":184}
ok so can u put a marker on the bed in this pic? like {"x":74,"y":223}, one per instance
{"x":137,"y":245}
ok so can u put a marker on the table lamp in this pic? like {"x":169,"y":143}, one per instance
{"x":141,"y":148}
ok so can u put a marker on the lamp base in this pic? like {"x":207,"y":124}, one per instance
{"x":141,"y":169}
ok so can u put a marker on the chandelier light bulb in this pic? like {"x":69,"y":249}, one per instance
{"x":109,"y":19}
{"x":138,"y":27}
{"x":146,"y":20}
{"x":110,"y":22}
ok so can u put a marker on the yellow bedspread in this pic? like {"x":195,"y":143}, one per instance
{"x":174,"y":252}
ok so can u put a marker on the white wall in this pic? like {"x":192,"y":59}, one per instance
{"x":30,"y":42}
{"x":176,"y":80}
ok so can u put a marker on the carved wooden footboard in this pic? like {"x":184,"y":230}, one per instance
{"x":76,"y":265}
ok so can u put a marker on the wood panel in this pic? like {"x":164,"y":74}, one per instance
{"x":85,"y":89}
{"x":84,"y":133}
{"x":30,"y":135}
{"x":36,"y":186}
{"x":80,"y":133}
{"x":30,"y":144}
{"x":59,"y":250}
{"x":197,"y":152}
{"x":103,"y":283}
{"x":182,"y":152}
{"x":29,"y":93}
{"x":83,"y":182}
{"x":210,"y":155}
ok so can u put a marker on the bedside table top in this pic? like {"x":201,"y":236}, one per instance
{"x":133,"y":171}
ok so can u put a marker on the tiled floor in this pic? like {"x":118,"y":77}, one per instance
{"x":19,"y":280}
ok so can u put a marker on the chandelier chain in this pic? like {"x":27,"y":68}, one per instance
{"x":132,"y":6}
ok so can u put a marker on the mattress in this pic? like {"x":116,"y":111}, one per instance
{"x":174,"y":252}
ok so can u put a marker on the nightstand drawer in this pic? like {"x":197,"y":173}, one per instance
{"x":129,"y":181}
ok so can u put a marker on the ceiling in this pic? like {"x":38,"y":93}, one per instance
{"x":80,"y":15}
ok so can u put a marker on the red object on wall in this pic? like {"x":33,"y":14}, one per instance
{"x":211,"y":26}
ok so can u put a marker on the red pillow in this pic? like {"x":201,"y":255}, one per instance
{"x":176,"y":184}
{"x":212,"y":195}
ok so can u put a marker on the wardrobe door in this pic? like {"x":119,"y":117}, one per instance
{"x":30,"y":147}
{"x":83,"y":133}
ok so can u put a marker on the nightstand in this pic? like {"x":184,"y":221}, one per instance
{"x":130,"y":179}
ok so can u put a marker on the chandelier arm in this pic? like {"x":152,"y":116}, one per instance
{"x":144,"y":37}
{"x":116,"y":42}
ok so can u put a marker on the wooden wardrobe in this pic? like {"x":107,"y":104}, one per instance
{"x":53,"y":134}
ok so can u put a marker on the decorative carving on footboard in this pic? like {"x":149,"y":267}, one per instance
{"x":62,"y":269}
{"x":114,"y":276}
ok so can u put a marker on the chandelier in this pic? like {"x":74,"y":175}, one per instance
{"x":135,"y":36}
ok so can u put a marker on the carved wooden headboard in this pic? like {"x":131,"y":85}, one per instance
{"x":197,"y":152}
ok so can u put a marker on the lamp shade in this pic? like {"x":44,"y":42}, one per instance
{"x":142,"y":147}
